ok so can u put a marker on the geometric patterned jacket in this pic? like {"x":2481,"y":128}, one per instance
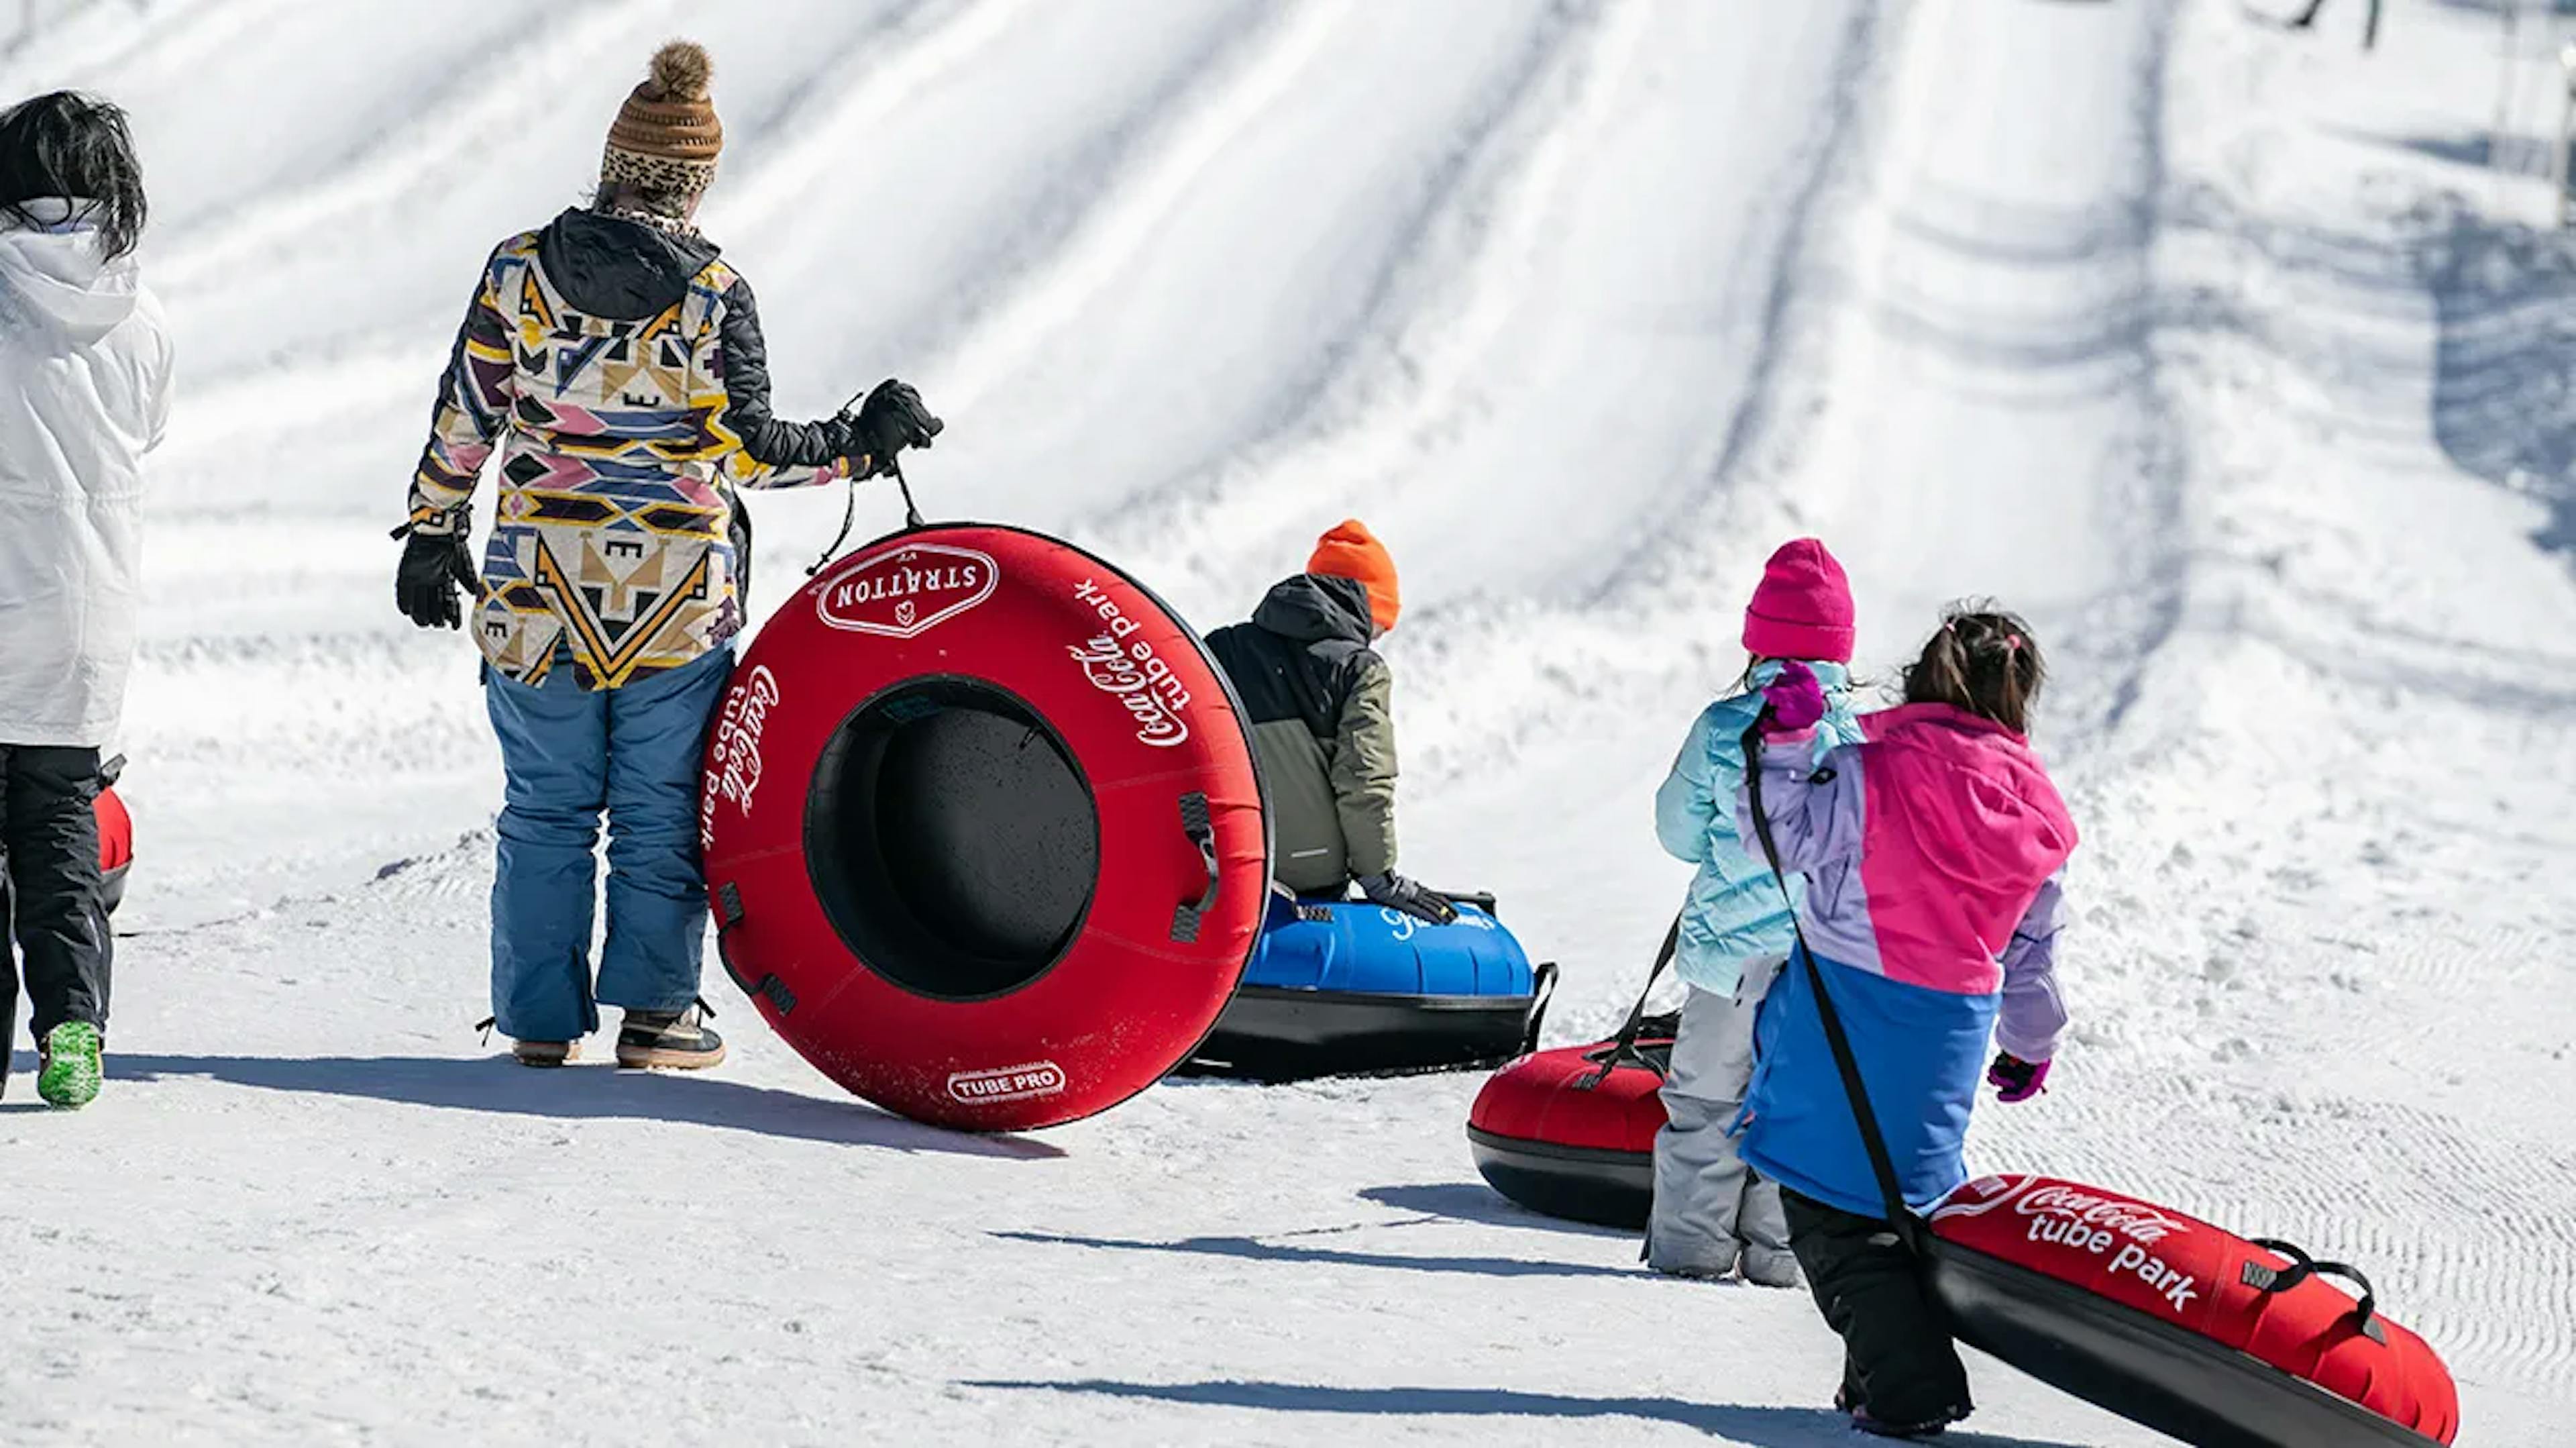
{"x":618,"y":369}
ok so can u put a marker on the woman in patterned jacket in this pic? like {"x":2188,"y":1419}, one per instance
{"x":615,"y":362}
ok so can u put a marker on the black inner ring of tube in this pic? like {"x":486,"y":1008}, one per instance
{"x":952,"y":839}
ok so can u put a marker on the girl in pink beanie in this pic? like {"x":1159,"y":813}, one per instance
{"x":1712,"y":1217}
{"x":1803,"y":608}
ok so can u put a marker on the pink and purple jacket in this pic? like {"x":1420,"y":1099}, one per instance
{"x":1932,"y":852}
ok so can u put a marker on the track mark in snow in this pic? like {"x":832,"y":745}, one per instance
{"x":2143,"y":615}
{"x":1621,"y":627}
{"x":999,"y":267}
{"x":1763,"y":420}
{"x":2470,"y":1246}
{"x":1439,"y":301}
{"x":2004,"y":288}
{"x":1053,"y":295}
{"x":925,"y":44}
{"x":202,"y":29}
{"x":463,"y":125}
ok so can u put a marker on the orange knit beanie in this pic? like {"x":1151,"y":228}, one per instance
{"x":1350,"y":550}
{"x":667,"y":137}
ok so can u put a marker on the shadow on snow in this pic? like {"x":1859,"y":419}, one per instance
{"x":1252,"y":1249}
{"x":2503,"y":297}
{"x":1481,"y":1204}
{"x":2504,"y":399}
{"x":1767,"y":1427}
{"x":577,"y":1093}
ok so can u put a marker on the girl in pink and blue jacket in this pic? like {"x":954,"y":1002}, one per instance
{"x":1932,"y":853}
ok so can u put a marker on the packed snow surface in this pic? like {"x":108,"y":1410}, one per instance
{"x":2215,"y":347}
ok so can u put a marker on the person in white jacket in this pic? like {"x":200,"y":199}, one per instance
{"x":85,"y":368}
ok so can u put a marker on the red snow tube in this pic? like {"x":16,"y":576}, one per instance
{"x":115,"y":836}
{"x":2215,"y":1339}
{"x":1571,"y":1132}
{"x":982,"y":829}
{"x":2201,"y":1334}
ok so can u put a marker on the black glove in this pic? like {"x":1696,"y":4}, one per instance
{"x":1398,"y":893}
{"x":891,"y":420}
{"x":434,"y":566}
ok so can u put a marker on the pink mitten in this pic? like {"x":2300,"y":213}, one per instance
{"x":2015,"y":1079}
{"x":1794,"y":701}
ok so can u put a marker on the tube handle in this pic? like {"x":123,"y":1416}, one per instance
{"x":1200,"y":829}
{"x":2302,"y":1267}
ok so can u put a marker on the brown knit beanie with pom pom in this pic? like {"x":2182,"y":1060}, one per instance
{"x":667,"y":137}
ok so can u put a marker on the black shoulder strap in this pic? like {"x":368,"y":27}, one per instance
{"x":1663,"y":957}
{"x":1870,"y":1136}
{"x":1623,"y":1046}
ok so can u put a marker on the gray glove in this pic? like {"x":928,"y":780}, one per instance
{"x":1398,"y":893}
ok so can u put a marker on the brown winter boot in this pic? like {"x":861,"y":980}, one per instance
{"x":670,"y":1040}
{"x":546,"y":1053}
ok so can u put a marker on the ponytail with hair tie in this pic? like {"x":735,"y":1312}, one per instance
{"x":1982,"y":661}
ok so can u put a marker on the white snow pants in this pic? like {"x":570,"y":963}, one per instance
{"x":1710,"y":1209}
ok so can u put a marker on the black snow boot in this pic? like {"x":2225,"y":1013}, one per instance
{"x":1877,"y":1427}
{"x":670,"y":1040}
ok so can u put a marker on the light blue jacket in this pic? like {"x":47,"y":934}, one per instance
{"x":1735,"y":913}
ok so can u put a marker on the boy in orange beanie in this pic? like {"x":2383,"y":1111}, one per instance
{"x":1320,"y":702}
{"x":1350,"y":550}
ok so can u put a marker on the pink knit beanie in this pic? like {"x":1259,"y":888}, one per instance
{"x":1803,"y":609}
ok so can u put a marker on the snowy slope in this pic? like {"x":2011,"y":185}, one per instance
{"x":2206,"y":344}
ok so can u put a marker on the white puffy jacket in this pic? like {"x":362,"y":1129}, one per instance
{"x":84,"y":394}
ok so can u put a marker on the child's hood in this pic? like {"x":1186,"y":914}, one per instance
{"x":1980,"y":806}
{"x":58,"y":274}
{"x":1308,"y":607}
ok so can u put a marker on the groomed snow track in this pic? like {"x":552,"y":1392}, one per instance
{"x":2180,"y":332}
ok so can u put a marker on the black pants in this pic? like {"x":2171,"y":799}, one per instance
{"x":1898,"y":1359}
{"x":53,"y":901}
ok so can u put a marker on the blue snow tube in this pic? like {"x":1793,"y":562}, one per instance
{"x":1344,"y":986}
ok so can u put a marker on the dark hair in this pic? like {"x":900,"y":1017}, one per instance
{"x":662,"y":201}
{"x":1984,"y":661}
{"x":77,"y":147}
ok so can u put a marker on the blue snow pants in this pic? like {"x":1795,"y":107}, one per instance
{"x":567,"y":754}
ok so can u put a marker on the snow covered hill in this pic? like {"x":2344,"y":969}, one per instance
{"x":2211,"y":345}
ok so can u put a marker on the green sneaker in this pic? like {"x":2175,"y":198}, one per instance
{"x":71,"y":1070}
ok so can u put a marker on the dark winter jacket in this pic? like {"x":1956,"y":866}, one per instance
{"x":619,"y":369}
{"x":1323,"y":724}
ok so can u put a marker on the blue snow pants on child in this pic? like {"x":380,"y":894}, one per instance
{"x":567,"y":754}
